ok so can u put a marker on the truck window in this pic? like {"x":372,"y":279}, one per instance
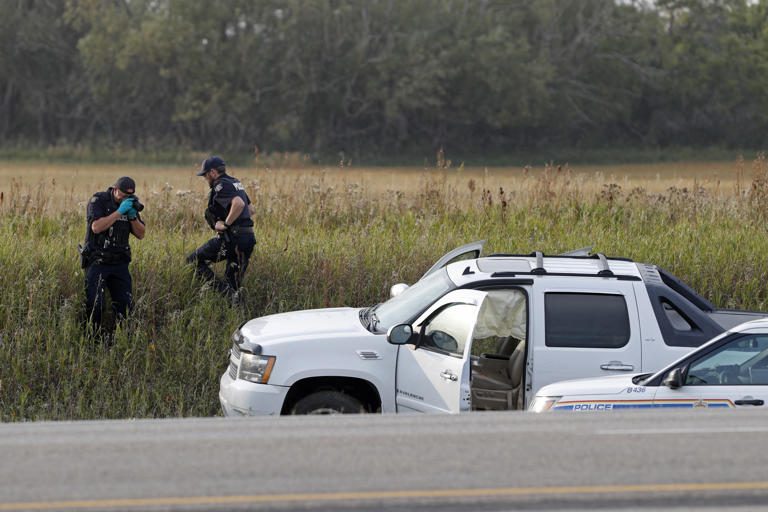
{"x":413,"y":301}
{"x":448,"y":331}
{"x":501,"y":323}
{"x":585,"y":320}
{"x":676,"y":319}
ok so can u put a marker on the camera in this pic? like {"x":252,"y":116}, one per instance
{"x":136,"y":204}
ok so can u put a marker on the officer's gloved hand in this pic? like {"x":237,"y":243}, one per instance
{"x":125,"y":206}
{"x":132,"y":213}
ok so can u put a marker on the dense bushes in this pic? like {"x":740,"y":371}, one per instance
{"x":351,"y":79}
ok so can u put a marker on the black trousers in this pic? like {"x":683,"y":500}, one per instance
{"x":117,"y":280}
{"x":236,"y":253}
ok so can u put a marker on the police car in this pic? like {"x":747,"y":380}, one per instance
{"x":730,"y":371}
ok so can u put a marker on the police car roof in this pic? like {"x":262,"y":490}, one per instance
{"x":759,"y":324}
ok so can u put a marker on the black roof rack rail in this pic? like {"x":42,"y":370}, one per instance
{"x":618,"y":277}
{"x":616,"y":258}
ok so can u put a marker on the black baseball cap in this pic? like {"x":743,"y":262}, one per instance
{"x":125,"y":185}
{"x":213,"y":162}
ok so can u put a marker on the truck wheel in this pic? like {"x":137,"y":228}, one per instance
{"x":328,"y":402}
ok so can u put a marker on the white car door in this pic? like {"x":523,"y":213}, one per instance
{"x":433,"y":374}
{"x":584,"y":332}
{"x":732,"y":375}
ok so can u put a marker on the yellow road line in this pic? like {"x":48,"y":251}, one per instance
{"x":384,"y":495}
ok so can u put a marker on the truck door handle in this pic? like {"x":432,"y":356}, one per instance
{"x":448,"y":375}
{"x":749,"y":402}
{"x":617,"y":366}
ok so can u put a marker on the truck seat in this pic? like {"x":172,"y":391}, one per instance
{"x":497,"y":379}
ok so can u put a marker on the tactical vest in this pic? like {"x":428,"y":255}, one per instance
{"x":215,"y":211}
{"x":110,"y":246}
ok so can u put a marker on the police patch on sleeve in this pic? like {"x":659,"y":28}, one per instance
{"x":94,"y":199}
{"x":218,"y":187}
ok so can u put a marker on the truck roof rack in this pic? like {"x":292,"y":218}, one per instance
{"x":561,"y":256}
{"x":539,"y":263}
{"x":604,"y":269}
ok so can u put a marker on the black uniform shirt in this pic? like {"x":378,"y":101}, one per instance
{"x":114,"y":239}
{"x":224,"y":190}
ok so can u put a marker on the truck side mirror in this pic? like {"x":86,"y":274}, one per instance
{"x":397,"y":289}
{"x":674,"y":379}
{"x":400,"y":334}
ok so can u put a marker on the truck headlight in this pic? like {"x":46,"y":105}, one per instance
{"x":256,"y":368}
{"x":543,"y":403}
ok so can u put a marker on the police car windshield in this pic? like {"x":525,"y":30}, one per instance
{"x":689,"y":355}
{"x":413,"y":300}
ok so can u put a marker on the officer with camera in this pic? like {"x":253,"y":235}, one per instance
{"x":113,"y":215}
{"x":229,"y":214}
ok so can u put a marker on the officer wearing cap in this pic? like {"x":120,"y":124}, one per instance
{"x":113,"y":215}
{"x":229,"y":214}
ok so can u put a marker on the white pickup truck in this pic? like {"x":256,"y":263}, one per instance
{"x":474,"y":333}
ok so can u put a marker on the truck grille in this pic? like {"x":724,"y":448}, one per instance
{"x":233,"y":370}
{"x":236,"y":351}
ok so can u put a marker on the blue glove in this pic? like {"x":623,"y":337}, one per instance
{"x":132,"y":214}
{"x":125,"y":206}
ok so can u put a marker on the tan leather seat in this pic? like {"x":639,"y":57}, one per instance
{"x":497,"y":379}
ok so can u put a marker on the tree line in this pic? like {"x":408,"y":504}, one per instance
{"x":383,"y":76}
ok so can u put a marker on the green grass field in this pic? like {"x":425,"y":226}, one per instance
{"x":325,"y":238}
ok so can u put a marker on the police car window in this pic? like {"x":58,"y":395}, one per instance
{"x":585,"y":320}
{"x":743,"y":361}
{"x":449,"y":330}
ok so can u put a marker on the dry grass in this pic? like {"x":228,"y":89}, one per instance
{"x":53,"y":188}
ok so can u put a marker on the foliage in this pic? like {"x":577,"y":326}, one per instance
{"x":383,"y":77}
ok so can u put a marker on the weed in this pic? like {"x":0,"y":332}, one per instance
{"x":324,"y":239}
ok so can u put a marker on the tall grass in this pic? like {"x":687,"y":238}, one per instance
{"x":323,"y":244}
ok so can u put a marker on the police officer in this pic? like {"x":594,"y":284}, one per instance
{"x":229,"y":214}
{"x":113,"y":216}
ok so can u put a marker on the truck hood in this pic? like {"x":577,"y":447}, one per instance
{"x":310,"y":324}
{"x":611,"y":385}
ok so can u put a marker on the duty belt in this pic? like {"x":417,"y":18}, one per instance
{"x":245,"y":230}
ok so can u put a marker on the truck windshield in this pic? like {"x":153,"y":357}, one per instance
{"x":414,"y":300}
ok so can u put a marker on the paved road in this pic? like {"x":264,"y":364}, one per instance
{"x":486,"y":461}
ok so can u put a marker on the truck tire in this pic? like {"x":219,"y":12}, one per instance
{"x":328,"y":402}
